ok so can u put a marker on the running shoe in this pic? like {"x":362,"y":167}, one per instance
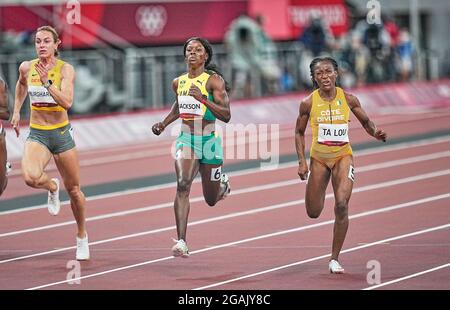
{"x":53,"y":203}
{"x":335,"y":267}
{"x":225,"y":180}
{"x":180,"y":249}
{"x":83,"y":248}
{"x":8,"y":167}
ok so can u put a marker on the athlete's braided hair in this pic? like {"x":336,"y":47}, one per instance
{"x":209,"y":67}
{"x":313,"y":64}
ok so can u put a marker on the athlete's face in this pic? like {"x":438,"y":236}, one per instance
{"x":45,"y":44}
{"x":196,"y":53}
{"x":325,"y":75}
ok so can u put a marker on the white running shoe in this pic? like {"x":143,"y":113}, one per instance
{"x":53,"y":203}
{"x":83,"y":248}
{"x":225,"y":180}
{"x":180,"y":249}
{"x":335,"y":267}
{"x":8,"y":167}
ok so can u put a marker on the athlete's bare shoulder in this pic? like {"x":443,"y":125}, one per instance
{"x":352,"y":100}
{"x":24,"y":67}
{"x":305,"y":104}
{"x":175,"y":84}
{"x":67,"y":66}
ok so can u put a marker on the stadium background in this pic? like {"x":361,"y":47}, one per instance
{"x":126,"y":54}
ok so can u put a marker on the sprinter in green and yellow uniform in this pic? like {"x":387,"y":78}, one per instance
{"x":201,"y":99}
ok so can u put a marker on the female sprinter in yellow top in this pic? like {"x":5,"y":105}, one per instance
{"x":49,"y":82}
{"x":201,"y":98}
{"x":328,"y":108}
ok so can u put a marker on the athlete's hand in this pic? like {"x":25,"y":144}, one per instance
{"x":195,"y":92}
{"x":380,"y":135}
{"x":15,"y":123}
{"x":158,"y":128}
{"x":303,"y":171}
{"x":42,"y":70}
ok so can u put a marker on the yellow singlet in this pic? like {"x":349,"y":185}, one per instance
{"x":329,"y":123}
{"x":40,"y":99}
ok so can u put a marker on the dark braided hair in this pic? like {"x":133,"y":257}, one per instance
{"x":313,"y":64}
{"x":211,"y":68}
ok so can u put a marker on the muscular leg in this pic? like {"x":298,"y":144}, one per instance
{"x":213,"y":189}
{"x":35,"y":158}
{"x":3,"y":157}
{"x":342,"y":187}
{"x":319,"y":177}
{"x":186,"y":167}
{"x":68,"y":167}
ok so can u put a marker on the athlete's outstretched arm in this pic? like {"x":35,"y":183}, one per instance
{"x":21,"y":93}
{"x":220,"y":108}
{"x":300,"y":128}
{"x":361,"y":115}
{"x":4,"y":110}
{"x":173,"y":115}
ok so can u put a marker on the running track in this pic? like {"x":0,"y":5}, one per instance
{"x":260,"y":236}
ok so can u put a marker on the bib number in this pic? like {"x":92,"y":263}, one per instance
{"x":331,"y":134}
{"x":216,"y":173}
{"x":189,"y":107}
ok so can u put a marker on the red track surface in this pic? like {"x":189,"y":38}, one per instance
{"x":259,"y":237}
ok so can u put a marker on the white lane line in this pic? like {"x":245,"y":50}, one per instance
{"x":407,"y":277}
{"x":254,"y":139}
{"x":423,"y":231}
{"x":406,"y":145}
{"x":393,"y":163}
{"x":233,"y":215}
{"x":247,"y":240}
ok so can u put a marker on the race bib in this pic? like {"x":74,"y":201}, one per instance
{"x":190,"y":108}
{"x":40,"y":97}
{"x":331,"y":134}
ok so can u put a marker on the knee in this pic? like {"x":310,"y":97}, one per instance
{"x":341,"y":210}
{"x":75,"y":193}
{"x":184,"y":186}
{"x":210,"y":201}
{"x":312,"y":209}
{"x":312,"y":214}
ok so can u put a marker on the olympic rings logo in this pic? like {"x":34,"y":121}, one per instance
{"x":151,"y":20}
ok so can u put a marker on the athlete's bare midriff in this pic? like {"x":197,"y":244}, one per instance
{"x":193,"y":127}
{"x":48,"y":118}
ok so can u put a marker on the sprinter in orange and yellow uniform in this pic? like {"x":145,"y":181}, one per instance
{"x":328,"y":109}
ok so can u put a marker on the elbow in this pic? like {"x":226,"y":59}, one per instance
{"x":227,"y":118}
{"x":67,"y":105}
